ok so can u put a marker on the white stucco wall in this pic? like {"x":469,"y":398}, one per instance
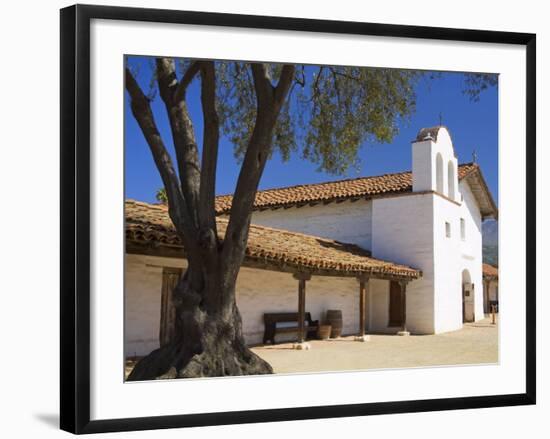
{"x":403,"y":233}
{"x":347,"y":221}
{"x":425,"y":165}
{"x":258,"y":291}
{"x":379,"y":305}
{"x":447,"y":267}
{"x":453,"y":255}
{"x":472,"y":249}
{"x":142,"y":294}
{"x":493,"y":290}
{"x":408,"y":229}
{"x":261,"y":291}
{"x":412,"y":230}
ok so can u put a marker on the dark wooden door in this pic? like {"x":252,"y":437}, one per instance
{"x":170,"y":278}
{"x":396,"y":308}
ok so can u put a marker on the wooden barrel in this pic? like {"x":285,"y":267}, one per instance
{"x":334,"y":319}
{"x":324,"y":331}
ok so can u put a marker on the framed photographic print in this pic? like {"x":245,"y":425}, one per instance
{"x":304,"y":218}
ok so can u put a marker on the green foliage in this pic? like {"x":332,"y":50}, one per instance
{"x":330,"y":111}
{"x":236,"y":103}
{"x":161,"y":196}
{"x":348,"y":106}
{"x":476,"y":83}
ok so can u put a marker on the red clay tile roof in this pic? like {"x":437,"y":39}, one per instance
{"x":275,"y":249}
{"x":490,"y":271}
{"x":364,"y":187}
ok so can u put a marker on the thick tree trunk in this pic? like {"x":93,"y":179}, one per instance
{"x":208,"y":339}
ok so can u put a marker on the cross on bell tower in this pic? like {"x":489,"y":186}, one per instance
{"x":474,"y":156}
{"x":440,"y":119}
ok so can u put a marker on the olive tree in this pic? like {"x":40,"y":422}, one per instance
{"x":324,"y":113}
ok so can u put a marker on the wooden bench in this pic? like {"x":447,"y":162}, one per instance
{"x":286,"y":322}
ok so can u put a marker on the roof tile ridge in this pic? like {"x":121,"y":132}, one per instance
{"x":345,"y":180}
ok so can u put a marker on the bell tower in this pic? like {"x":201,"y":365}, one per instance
{"x":434,"y":164}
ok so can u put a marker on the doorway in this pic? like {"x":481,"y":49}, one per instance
{"x":396,"y":307}
{"x":468,"y":301}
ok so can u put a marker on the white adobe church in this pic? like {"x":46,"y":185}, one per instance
{"x":396,"y":253}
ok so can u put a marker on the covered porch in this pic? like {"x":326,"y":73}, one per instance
{"x":283,"y":271}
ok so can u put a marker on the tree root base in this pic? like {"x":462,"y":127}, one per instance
{"x":173,"y":362}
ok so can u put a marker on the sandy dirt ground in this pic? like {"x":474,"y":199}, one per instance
{"x":475,"y":343}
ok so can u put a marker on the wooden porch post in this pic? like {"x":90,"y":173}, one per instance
{"x":486,"y":285}
{"x":403,"y":331}
{"x":362,"y":306}
{"x":302,"y":278}
{"x":363,"y":287}
{"x":301,"y":309}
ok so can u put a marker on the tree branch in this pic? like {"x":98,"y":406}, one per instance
{"x":316,"y":84}
{"x":183,"y":135}
{"x":236,"y":235}
{"x":336,"y":87}
{"x":166,"y":78}
{"x":302,"y":81}
{"x":211,"y":135}
{"x":270,"y":100}
{"x":141,"y":110}
{"x":188,"y":76}
{"x":285,"y":81}
{"x":262,"y":84}
{"x":344,"y":75}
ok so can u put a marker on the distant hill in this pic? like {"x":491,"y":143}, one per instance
{"x":489,"y":231}
{"x":490,"y":255}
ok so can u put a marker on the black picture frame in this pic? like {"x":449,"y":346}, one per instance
{"x":75,"y":218}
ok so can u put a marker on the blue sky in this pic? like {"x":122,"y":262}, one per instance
{"x":473,"y":126}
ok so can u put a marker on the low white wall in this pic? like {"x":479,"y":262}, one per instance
{"x":258,"y":292}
